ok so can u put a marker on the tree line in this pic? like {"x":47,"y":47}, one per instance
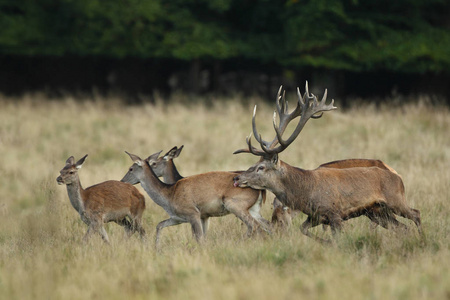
{"x":404,"y":36}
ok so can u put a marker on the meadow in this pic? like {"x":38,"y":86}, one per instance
{"x":41,"y":251}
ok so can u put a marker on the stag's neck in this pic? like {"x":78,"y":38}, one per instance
{"x":295,"y":187}
{"x":75,"y":191}
{"x":172,"y":175}
{"x":157,"y":190}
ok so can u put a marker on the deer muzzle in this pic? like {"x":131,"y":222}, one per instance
{"x":59,"y":180}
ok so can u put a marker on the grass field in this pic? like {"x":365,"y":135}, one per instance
{"x":41,"y":251}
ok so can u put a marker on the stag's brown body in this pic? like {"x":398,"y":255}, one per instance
{"x":282,"y":215}
{"x":332,"y":193}
{"x":109,"y":201}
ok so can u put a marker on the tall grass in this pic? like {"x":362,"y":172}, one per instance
{"x":42,"y":255}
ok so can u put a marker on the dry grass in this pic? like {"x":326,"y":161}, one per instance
{"x":42,"y":257}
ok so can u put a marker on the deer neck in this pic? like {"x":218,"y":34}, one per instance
{"x":172,"y":175}
{"x":294,"y":187}
{"x":75,"y":192}
{"x":156,"y":189}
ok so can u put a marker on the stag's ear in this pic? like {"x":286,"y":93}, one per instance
{"x":80,"y":162}
{"x":274,"y":159}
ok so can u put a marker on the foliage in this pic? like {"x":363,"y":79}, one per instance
{"x":404,"y":36}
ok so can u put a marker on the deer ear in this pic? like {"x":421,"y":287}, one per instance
{"x":171,"y":153}
{"x":178,"y":151}
{"x":70,"y":160}
{"x":274,"y":159}
{"x":133,"y":156}
{"x":138,"y":162}
{"x":154,"y":156}
{"x":79,"y":163}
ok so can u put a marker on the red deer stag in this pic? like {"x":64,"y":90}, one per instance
{"x":282,"y":215}
{"x":196,"y":198}
{"x":326,"y":195}
{"x":109,"y":201}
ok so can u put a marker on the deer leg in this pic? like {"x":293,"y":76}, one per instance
{"x":309,"y":224}
{"x":137,"y":226}
{"x":127,"y":226}
{"x":96,"y":226}
{"x":335,"y":225}
{"x":161,"y":225}
{"x":412,"y":214}
{"x":236,"y":208}
{"x":205,"y":224}
{"x":197,"y":228}
{"x":255,"y":212}
{"x":103,"y":234}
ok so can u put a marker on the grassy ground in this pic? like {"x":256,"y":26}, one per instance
{"x":42,"y":255}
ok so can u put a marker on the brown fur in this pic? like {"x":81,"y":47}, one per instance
{"x":282,"y":213}
{"x":109,"y":201}
{"x":331,"y":196}
{"x":196,"y":198}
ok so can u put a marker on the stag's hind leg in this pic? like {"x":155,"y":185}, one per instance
{"x":381,"y":214}
{"x":412,"y":214}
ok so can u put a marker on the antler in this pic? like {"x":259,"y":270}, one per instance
{"x":307,"y":107}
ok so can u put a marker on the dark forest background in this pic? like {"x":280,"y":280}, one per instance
{"x":372,"y":48}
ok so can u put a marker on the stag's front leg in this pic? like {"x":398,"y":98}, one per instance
{"x":309,"y":223}
{"x":205,"y":224}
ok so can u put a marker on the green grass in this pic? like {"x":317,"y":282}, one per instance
{"x":41,"y":251}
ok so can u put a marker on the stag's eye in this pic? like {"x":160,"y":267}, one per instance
{"x":131,"y":170}
{"x":153,"y":164}
{"x":71,"y":172}
{"x":260,"y":168}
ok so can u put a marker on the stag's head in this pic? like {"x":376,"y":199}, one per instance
{"x":69,"y":174}
{"x":266,"y":173}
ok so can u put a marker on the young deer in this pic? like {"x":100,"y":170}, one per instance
{"x":109,"y":201}
{"x":326,"y":195}
{"x":196,"y":198}
{"x":164,"y":166}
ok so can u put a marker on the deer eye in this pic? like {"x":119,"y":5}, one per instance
{"x":260,"y":168}
{"x":154,"y":164}
{"x":131,"y":170}
{"x":71,"y":172}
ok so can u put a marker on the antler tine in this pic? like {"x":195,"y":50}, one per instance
{"x":252,"y":149}
{"x":284,"y":116}
{"x":307,"y":107}
{"x":308,"y":111}
{"x":255,"y":131}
